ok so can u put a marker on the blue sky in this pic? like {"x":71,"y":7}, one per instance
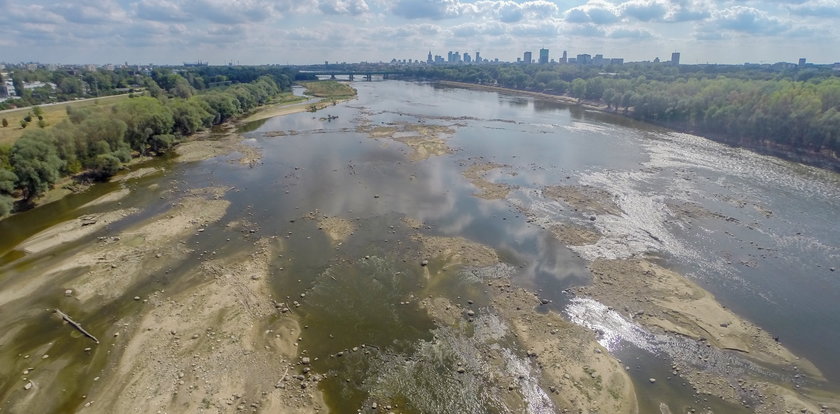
{"x":312,"y":31}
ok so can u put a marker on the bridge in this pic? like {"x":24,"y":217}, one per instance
{"x":366,"y":74}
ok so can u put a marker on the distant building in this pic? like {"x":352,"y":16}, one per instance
{"x":584,"y":59}
{"x":477,"y":57}
{"x":656,"y":60}
{"x":526,"y":58}
{"x":617,"y":61}
{"x":31,"y":66}
{"x":565,"y":57}
{"x":675,"y":58}
{"x":802,"y":61}
{"x":598,"y":60}
{"x":572,"y":60}
{"x":467,"y":58}
{"x":543,"y":56}
{"x":429,"y":59}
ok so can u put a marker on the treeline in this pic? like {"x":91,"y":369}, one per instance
{"x":70,"y":84}
{"x":181,"y":82}
{"x":99,"y":143}
{"x":797,"y":109}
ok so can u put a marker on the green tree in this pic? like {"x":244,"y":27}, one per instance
{"x":578,"y":88}
{"x":5,"y":122}
{"x":7,"y":187}
{"x":35,"y":163}
{"x":106,"y":165}
{"x":38,"y":111}
{"x":144,"y":118}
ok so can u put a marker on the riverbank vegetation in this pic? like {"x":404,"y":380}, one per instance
{"x":329,"y":89}
{"x":793,"y":111}
{"x":94,"y":144}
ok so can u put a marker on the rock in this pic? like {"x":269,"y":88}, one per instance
{"x":424,"y":263}
{"x":374,"y":406}
{"x":376,"y":196}
{"x":461,"y":370}
{"x":137,"y":298}
{"x":592,"y":218}
{"x":545,"y":301}
{"x":28,"y":385}
{"x":255,"y":277}
{"x":68,"y":292}
{"x":470,"y":313}
{"x":652,"y":380}
{"x":305,"y":360}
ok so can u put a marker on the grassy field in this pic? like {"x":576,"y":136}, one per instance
{"x":329,"y":89}
{"x":53,"y":114}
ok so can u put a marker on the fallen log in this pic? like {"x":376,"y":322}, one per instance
{"x":76,"y":325}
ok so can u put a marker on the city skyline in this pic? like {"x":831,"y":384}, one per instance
{"x":311,"y":31}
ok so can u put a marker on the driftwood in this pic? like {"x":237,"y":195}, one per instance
{"x":76,"y":325}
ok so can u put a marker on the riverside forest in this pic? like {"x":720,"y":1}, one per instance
{"x":493,"y":238}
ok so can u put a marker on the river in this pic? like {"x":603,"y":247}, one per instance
{"x":760,"y":234}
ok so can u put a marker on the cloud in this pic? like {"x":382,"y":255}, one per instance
{"x":748,"y":20}
{"x":350,"y":7}
{"x":630,"y":34}
{"x":818,"y":8}
{"x":427,"y":9}
{"x":90,"y":12}
{"x":643,"y":10}
{"x":585,"y":30}
{"x":160,"y":11}
{"x":596,"y":12}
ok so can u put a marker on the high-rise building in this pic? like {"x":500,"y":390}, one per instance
{"x":565,"y":57}
{"x":802,"y":61}
{"x":467,"y":58}
{"x":675,"y":58}
{"x":457,"y":57}
{"x":477,"y":57}
{"x":598,"y":60}
{"x":527,"y":58}
{"x":584,"y":59}
{"x":429,"y":58}
{"x":543,"y":56}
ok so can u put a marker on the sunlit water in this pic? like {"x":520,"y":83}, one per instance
{"x":770,"y":263}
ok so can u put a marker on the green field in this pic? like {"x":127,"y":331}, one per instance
{"x":53,"y":114}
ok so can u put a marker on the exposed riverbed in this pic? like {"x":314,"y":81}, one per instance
{"x":425,"y":249}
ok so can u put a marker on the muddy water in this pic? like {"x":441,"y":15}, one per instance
{"x":764,"y":244}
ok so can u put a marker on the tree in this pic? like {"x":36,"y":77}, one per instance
{"x":42,"y":123}
{"x":7,"y":187}
{"x":38,"y":111}
{"x":23,"y":123}
{"x":106,"y":165}
{"x":578,"y":88}
{"x":5,"y":122}
{"x":144,"y":117}
{"x":35,"y":163}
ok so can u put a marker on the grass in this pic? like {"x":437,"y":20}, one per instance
{"x":53,"y":114}
{"x":329,"y":89}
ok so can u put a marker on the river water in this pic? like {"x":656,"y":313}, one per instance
{"x":768,"y":251}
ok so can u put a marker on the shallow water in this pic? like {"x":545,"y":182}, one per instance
{"x":770,"y":263}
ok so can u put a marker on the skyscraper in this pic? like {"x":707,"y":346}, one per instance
{"x":527,"y":58}
{"x":675,"y":58}
{"x":565,"y":57}
{"x":477,"y":57}
{"x":543,"y":56}
{"x":429,"y":58}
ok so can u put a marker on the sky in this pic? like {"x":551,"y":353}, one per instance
{"x":314,"y":31}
